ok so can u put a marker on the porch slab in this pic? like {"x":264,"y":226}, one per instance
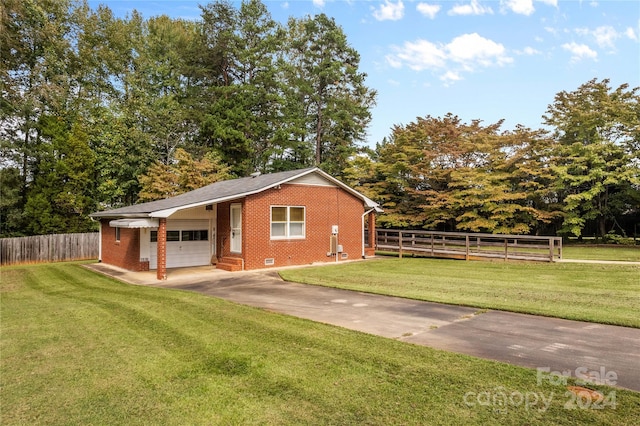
{"x":174,"y":275}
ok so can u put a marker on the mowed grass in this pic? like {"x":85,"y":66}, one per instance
{"x":608,"y":294}
{"x":80,"y":348}
{"x":621,"y":253}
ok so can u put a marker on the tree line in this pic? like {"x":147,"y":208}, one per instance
{"x":99,"y":111}
{"x":94,"y":107}
{"x":580,"y":177}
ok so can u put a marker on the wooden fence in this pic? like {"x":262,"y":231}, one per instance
{"x":468,"y":246}
{"x":49,"y":248}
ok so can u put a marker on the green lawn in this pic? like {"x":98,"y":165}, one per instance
{"x":80,"y":348}
{"x":607,"y":294}
{"x":623,"y":253}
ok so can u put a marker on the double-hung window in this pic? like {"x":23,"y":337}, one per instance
{"x":287,"y":222}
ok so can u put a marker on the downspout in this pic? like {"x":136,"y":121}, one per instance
{"x":99,"y":241}
{"x":363,"y":216}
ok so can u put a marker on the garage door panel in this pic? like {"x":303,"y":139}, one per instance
{"x":184,"y":253}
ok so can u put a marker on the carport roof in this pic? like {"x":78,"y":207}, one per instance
{"x":222,"y":191}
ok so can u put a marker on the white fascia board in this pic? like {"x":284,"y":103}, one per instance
{"x":134,"y":223}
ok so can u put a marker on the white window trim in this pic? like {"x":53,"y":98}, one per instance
{"x":288,"y":223}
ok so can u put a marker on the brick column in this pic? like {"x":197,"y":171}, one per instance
{"x":371,"y":251}
{"x":161,"y":272}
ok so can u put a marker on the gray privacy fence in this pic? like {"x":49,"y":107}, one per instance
{"x":49,"y":248}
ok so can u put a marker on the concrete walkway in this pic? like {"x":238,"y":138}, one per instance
{"x":572,"y":348}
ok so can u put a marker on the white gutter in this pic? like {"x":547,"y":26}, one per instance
{"x":363,"y":215}
{"x":99,"y":241}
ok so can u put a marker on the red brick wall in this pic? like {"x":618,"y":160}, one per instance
{"x":324,"y":207}
{"x":124,"y":253}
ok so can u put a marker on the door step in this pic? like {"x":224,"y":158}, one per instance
{"x":231,"y":264}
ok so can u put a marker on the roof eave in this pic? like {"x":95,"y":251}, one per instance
{"x":108,"y":215}
{"x":168,"y":212}
{"x":165,"y":213}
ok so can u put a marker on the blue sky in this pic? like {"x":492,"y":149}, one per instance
{"x":487,"y":60}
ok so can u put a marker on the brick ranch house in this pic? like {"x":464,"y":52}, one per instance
{"x":272,"y":220}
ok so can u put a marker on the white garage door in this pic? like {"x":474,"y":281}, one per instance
{"x":187,"y":244}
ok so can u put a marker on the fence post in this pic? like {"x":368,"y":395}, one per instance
{"x":466,"y":257}
{"x":560,"y":248}
{"x":506,"y":249}
{"x":432,"y":249}
{"x":551,"y":250}
{"x":400,"y":244}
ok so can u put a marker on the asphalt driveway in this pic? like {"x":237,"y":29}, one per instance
{"x":572,"y":348}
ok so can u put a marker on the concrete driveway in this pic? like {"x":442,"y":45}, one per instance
{"x":572,"y":348}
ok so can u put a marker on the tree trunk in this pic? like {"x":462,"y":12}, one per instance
{"x":602,"y":228}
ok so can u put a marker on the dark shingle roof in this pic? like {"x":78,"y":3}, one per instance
{"x":219,"y":191}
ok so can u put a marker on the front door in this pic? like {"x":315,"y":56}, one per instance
{"x":236,"y":228}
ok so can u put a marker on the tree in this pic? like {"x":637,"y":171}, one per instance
{"x":61,"y":198}
{"x":597,"y":130}
{"x":326,"y":97}
{"x":442,"y":173}
{"x":244,"y":113}
{"x":185,"y":174}
{"x":11,"y":202}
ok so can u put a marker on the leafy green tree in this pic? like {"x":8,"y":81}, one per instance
{"x":35,"y":49}
{"x":11,"y":202}
{"x":244,"y":114}
{"x":61,"y":199}
{"x":442,"y":173}
{"x":158,"y":87}
{"x":597,"y":130}
{"x":327,"y":100}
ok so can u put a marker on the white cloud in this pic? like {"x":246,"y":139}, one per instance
{"x":389,"y":11}
{"x":472,"y":50}
{"x":521,"y":7}
{"x":450,"y":77}
{"x":605,"y":36}
{"x":524,"y":7}
{"x":428,"y":10}
{"x":418,"y":56}
{"x":580,"y":51}
{"x":285,"y":5}
{"x":630,"y":33}
{"x":465,"y":53}
{"x":528,"y":51}
{"x":318,"y":3}
{"x":474,"y":8}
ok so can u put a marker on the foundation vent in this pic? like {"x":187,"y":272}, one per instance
{"x":269,"y":261}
